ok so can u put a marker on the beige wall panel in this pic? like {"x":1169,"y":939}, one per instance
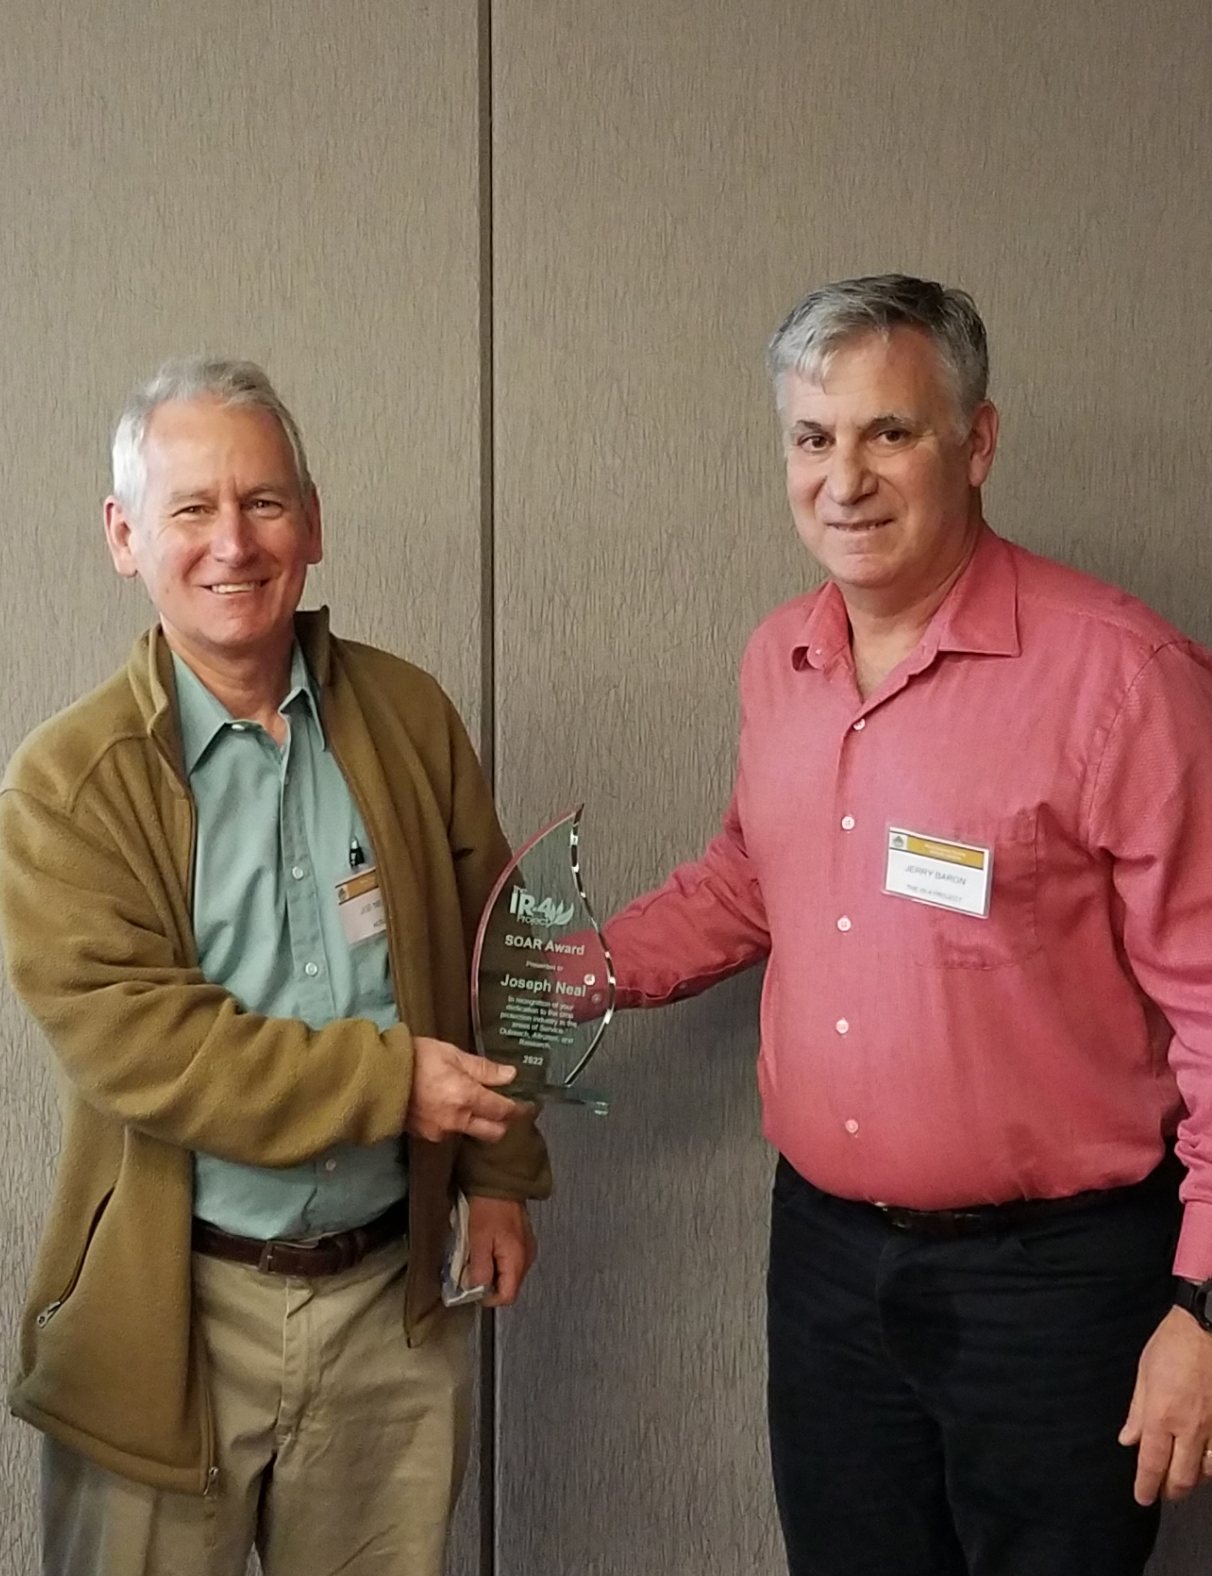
{"x":669,"y":178}
{"x":293,"y":183}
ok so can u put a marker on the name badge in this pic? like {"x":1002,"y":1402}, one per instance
{"x":929,"y":870}
{"x":360,"y":905}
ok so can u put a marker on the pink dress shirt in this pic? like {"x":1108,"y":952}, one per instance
{"x":918,"y":1056}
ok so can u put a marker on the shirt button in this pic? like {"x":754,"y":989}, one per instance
{"x":843,"y":1026}
{"x":298,"y":872}
{"x":311,"y":969}
{"x":330,"y":1165}
{"x":852,"y":1126}
{"x":843,"y":923}
{"x":847,"y":823}
{"x":860,"y":725}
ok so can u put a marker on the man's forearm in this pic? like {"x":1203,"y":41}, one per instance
{"x":703,"y":925}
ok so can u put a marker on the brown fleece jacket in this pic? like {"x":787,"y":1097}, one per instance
{"x":96,"y":855}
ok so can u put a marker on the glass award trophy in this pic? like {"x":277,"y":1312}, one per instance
{"x":542,"y":984}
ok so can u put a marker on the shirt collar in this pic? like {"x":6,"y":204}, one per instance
{"x":981,"y":610}
{"x":203,"y":716}
{"x":980,"y":613}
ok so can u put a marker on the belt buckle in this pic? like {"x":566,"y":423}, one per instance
{"x":964,"y":1222}
{"x":933,"y":1222}
{"x":266,"y":1262}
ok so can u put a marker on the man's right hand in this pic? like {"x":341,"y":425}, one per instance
{"x":452,"y":1092}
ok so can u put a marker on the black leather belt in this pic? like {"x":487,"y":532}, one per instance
{"x":306,"y":1260}
{"x":983,"y":1217}
{"x":975,"y":1219}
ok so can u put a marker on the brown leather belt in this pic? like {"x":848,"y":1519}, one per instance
{"x":326,"y":1256}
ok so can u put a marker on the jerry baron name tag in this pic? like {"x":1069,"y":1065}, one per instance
{"x":930,"y":870}
{"x":360,"y":905}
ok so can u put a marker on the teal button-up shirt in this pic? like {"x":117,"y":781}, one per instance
{"x":277,"y":832}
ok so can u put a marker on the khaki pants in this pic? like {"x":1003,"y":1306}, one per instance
{"x":339,"y":1448}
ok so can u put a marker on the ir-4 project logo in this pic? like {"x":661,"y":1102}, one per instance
{"x":528,"y":908}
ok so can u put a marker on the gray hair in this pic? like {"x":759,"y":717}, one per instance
{"x":198,"y":377}
{"x":836,"y":314}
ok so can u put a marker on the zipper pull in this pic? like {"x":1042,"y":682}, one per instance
{"x":47,"y":1314}
{"x":212,"y":1483}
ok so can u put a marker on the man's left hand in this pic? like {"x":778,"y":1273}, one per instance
{"x":1171,"y":1412}
{"x":502,"y":1247}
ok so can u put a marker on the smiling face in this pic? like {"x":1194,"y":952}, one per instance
{"x":222,"y":538}
{"x":881,"y":477}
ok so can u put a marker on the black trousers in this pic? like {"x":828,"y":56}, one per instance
{"x":950,"y":1407}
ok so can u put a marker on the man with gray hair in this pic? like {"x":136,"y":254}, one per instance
{"x":238,"y":889}
{"x":972,"y":834}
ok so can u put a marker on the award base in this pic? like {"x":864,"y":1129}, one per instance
{"x":560,"y":1094}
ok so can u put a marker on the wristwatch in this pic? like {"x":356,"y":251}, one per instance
{"x":1196,"y":1298}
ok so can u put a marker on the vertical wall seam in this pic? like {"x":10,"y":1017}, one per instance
{"x":488,"y":1384}
{"x":486,"y":391}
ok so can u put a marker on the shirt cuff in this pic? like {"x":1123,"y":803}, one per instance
{"x":1193,"y":1261}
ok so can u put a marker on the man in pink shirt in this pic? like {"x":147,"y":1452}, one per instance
{"x":972,"y":834}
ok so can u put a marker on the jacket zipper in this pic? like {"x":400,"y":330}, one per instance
{"x":42,"y":1319}
{"x":210,"y":1453}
